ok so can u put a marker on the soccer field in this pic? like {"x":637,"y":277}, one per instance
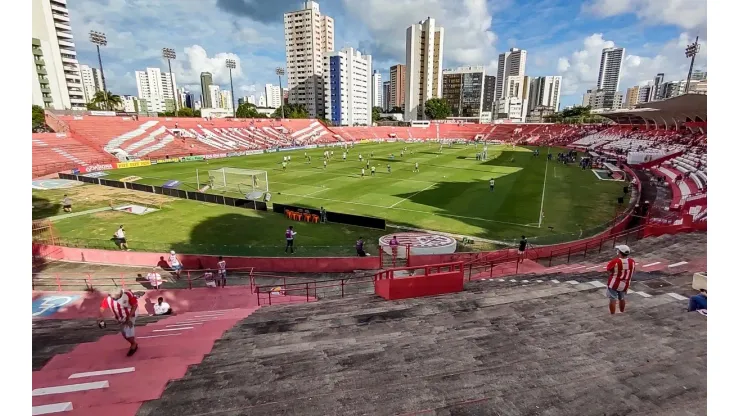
{"x":450,"y":192}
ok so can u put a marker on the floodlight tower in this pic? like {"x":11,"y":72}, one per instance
{"x":169,"y":55}
{"x":231,"y":64}
{"x":691,"y":51}
{"x":99,"y":39}
{"x":280,"y":72}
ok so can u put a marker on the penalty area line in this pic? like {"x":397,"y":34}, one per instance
{"x":407,"y":198}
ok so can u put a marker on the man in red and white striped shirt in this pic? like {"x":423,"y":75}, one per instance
{"x":123,"y":305}
{"x":620,"y":271}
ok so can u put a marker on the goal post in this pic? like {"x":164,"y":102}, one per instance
{"x":243,"y":181}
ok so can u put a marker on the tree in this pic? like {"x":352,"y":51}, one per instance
{"x":247,"y":110}
{"x":185,"y":112}
{"x":396,"y":110}
{"x":38,"y":120}
{"x":437,"y":109}
{"x":376,"y":113}
{"x":106,"y":100}
{"x":291,"y":111}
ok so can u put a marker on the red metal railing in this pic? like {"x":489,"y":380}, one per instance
{"x":430,"y":269}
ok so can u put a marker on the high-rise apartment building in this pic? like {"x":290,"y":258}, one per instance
{"x":610,"y":71}
{"x":214,"y":96}
{"x":462,"y":88}
{"x":273,"y":94}
{"x":308,"y":37}
{"x":156,"y":87}
{"x":386,"y":95}
{"x":57,"y":82}
{"x":644,"y":95}
{"x":632,"y":97}
{"x":348,"y":83}
{"x":224,"y":100}
{"x":91,"y":82}
{"x":698,"y":75}
{"x":424,"y":55}
{"x":377,"y":83}
{"x":206,"y":80}
{"x":489,"y":93}
{"x":397,"y":87}
{"x":510,"y":64}
{"x":262,"y":102}
{"x":544,"y":92}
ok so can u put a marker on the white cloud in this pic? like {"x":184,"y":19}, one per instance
{"x":686,"y":14}
{"x":580,"y":70}
{"x":187,"y":68}
{"x":469,"y":37}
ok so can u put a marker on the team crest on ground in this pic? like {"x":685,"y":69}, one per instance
{"x":420,"y":243}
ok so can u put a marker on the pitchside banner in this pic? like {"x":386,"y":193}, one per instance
{"x":96,"y":168}
{"x":134,"y":164}
{"x":163,"y":161}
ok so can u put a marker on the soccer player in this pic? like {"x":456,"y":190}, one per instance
{"x":285,"y":159}
{"x":491,"y":183}
{"x":305,"y":155}
{"x":121,"y":238}
{"x":522,"y":248}
{"x":344,"y":156}
{"x":324,"y":164}
{"x":363,"y":172}
{"x":221,"y":271}
{"x":371,"y":154}
{"x":288,"y":158}
{"x":332,"y":154}
{"x":123,"y":305}
{"x":289,"y":236}
{"x":359,"y":246}
{"x":416,"y":167}
{"x":309,"y":160}
{"x":372,"y":171}
{"x":620,"y":271}
{"x":367,"y":165}
{"x":389,"y":168}
{"x":360,"y":156}
{"x":285,"y":164}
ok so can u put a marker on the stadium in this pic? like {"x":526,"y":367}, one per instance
{"x":442,"y":267}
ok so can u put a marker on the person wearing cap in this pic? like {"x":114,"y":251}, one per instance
{"x":620,"y":271}
{"x":124,"y":306}
{"x":175,"y":263}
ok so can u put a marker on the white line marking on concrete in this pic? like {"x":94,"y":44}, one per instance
{"x":44,"y":391}
{"x":677,"y":296}
{"x":680,"y":263}
{"x":555,"y":281}
{"x":51,"y":408}
{"x":577,"y":267}
{"x":406,"y":199}
{"x":103,"y":372}
{"x":209,"y":316}
{"x":183,"y":325}
{"x":173,"y":329}
{"x":652,"y":264}
{"x":512,"y":281}
{"x":544,"y":183}
{"x":539,"y":281}
{"x":200,"y":321}
{"x":644,"y":295}
{"x":573,"y":282}
{"x":158,"y":336}
{"x":525,"y":281}
{"x":595,"y":267}
{"x":596,"y":283}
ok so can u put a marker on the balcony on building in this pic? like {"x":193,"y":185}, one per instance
{"x":41,"y":70}
{"x":62,"y":26}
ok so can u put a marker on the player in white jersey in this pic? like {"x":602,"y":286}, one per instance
{"x":324,"y":164}
{"x":344,"y":156}
{"x":416,"y":167}
{"x":363,"y":172}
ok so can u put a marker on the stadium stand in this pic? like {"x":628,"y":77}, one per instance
{"x":54,"y":152}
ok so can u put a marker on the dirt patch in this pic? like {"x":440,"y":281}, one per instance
{"x":105,"y":195}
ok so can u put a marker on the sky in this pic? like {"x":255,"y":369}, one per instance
{"x":561,"y":37}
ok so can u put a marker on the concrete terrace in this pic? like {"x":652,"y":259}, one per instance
{"x":528,"y":345}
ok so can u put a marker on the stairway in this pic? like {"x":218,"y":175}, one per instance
{"x":97,"y":378}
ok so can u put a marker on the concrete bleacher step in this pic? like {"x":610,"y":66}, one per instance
{"x":116,"y":142}
{"x":320,"y":364}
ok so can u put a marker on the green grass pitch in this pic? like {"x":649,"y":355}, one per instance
{"x":450,"y":193}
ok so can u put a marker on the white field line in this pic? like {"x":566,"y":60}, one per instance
{"x":316,"y":192}
{"x":544,"y":183}
{"x":680,"y":263}
{"x":652,"y":264}
{"x":407,"y":198}
{"x":103,"y":372}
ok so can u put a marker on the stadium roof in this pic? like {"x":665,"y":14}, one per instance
{"x":670,"y":113}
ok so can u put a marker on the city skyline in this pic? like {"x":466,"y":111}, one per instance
{"x":653,"y":45}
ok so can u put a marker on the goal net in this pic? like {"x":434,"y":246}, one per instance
{"x":252,"y":183}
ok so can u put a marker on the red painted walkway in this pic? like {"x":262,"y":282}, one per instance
{"x":175,"y":343}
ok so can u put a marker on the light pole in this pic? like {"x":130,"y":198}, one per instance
{"x":169,"y":54}
{"x":231,"y":64}
{"x":280,"y":72}
{"x":691,"y":51}
{"x":99,"y":39}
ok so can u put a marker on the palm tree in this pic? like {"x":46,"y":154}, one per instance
{"x":106,"y":100}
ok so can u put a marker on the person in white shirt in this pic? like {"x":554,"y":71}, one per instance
{"x":154,"y":278}
{"x":175,"y":263}
{"x":162,"y":307}
{"x":120,"y":237}
{"x":221,"y":272}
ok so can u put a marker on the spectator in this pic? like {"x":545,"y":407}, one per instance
{"x":162,"y":307}
{"x":123,"y":305}
{"x":620,"y":271}
{"x":175,"y":263}
{"x":322,"y":212}
{"x":221,"y":272}
{"x":394,"y":246}
{"x":698,"y":302}
{"x":209,"y":279}
{"x":522,"y":249}
{"x":120,"y":236}
{"x":66,"y":204}
{"x":289,"y":236}
{"x":154,"y":278}
{"x":359,"y":245}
